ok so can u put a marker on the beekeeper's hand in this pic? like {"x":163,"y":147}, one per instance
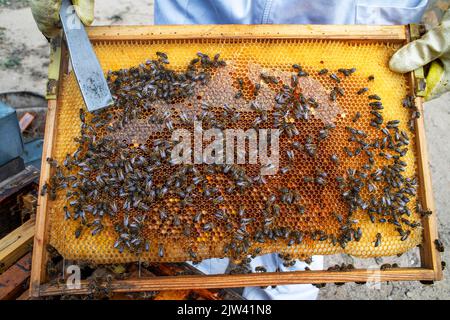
{"x":46,"y":14}
{"x":433,"y":47}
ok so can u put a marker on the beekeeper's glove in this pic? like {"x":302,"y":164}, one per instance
{"x":46,"y":14}
{"x":433,"y":47}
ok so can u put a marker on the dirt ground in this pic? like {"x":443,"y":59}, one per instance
{"x":23,"y":63}
{"x":24,"y":50}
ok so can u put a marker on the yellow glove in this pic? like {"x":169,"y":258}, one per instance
{"x":433,"y":47}
{"x":46,"y":14}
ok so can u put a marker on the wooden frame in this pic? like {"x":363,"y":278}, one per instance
{"x":16,"y":244}
{"x":13,"y":280}
{"x":430,"y":258}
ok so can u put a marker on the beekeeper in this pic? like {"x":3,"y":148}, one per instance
{"x":433,"y":47}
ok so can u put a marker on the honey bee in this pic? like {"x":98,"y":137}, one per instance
{"x":378,"y":240}
{"x":439,"y":245}
{"x":335,"y":77}
{"x":362,"y":90}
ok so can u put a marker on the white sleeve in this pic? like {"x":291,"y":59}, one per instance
{"x":271,"y":262}
{"x":212,"y":266}
{"x":285,"y":292}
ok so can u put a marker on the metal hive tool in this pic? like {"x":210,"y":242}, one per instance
{"x":246,"y":60}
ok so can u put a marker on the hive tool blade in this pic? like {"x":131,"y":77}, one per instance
{"x":88,"y":71}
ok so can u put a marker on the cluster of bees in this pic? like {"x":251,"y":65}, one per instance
{"x":106,"y":177}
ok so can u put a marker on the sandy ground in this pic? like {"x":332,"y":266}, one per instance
{"x":24,"y":50}
{"x":23,"y":63}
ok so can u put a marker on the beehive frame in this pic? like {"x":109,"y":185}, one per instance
{"x":430,"y":269}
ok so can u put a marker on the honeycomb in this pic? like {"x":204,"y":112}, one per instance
{"x":246,"y":60}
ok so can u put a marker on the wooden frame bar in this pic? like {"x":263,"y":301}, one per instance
{"x":241,"y":280}
{"x":12,"y":281}
{"x":430,"y":258}
{"x":39,"y":257}
{"x":16,"y":244}
{"x":356,"y":32}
